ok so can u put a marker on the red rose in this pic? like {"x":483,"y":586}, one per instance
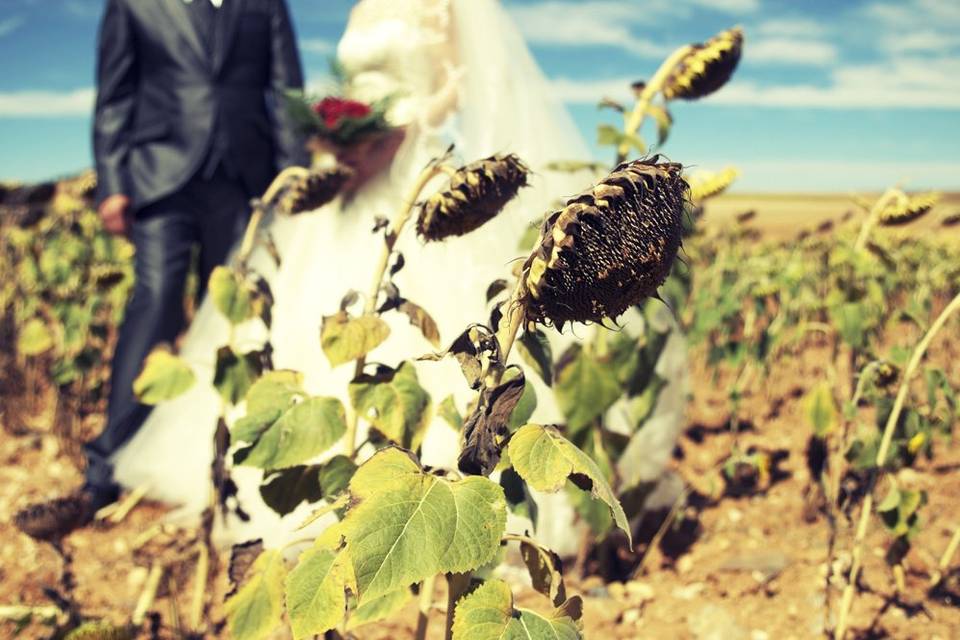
{"x":331,"y":110}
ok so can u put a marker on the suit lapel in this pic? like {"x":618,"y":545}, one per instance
{"x":226,"y":31}
{"x":178,"y":11}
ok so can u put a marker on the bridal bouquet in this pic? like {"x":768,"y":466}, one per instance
{"x":338,"y":120}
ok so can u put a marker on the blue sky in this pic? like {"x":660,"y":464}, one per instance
{"x":830,"y":96}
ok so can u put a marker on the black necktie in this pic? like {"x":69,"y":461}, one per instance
{"x":204,"y":17}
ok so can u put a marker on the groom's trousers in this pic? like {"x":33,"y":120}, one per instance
{"x":201,"y":222}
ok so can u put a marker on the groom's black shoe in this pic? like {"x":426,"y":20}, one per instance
{"x":50,"y":521}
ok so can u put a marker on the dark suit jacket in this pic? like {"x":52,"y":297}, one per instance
{"x":163,"y":97}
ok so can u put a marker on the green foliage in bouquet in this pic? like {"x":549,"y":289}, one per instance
{"x":338,"y":120}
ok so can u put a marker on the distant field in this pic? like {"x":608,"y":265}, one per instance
{"x":785,"y":215}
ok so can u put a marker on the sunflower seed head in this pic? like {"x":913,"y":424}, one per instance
{"x":476,"y":193}
{"x":314,"y":190}
{"x":908,"y":208}
{"x":609,"y":247}
{"x":706,"y":68}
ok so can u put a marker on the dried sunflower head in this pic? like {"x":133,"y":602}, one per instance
{"x":476,"y":193}
{"x":314,"y":190}
{"x":609,"y":247}
{"x":705,"y":184}
{"x":908,"y":208}
{"x":706,"y":67}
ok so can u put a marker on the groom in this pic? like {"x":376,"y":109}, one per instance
{"x":189,"y":126}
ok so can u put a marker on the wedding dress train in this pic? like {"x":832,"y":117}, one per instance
{"x":415,"y":51}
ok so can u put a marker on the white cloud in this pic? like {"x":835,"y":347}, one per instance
{"x":47,"y":104}
{"x":596,"y":23}
{"x":728,"y":6}
{"x":790,"y":51}
{"x":905,"y":83}
{"x":11,"y":24}
{"x":796,"y":27}
{"x":613,"y":23}
{"x":86,"y":9}
{"x":928,"y":41}
{"x":317,"y":46}
{"x":911,"y":14}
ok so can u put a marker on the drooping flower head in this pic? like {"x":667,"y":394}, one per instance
{"x":476,"y":193}
{"x":609,"y":248}
{"x":314,"y":190}
{"x":706,"y":67}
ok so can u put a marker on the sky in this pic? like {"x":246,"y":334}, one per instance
{"x":830,"y":95}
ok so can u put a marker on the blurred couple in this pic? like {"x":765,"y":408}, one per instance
{"x":190,"y":126}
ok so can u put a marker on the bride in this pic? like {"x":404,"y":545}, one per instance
{"x":459,"y":72}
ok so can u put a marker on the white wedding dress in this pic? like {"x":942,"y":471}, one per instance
{"x":460,"y":73}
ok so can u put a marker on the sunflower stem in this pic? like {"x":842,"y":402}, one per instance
{"x":515,"y":313}
{"x":947,"y":556}
{"x":262,"y":205}
{"x":881,"y":460}
{"x":457,"y":585}
{"x":425,"y":604}
{"x":148,"y":595}
{"x":370,"y":305}
{"x":874,"y":216}
{"x":634,"y":121}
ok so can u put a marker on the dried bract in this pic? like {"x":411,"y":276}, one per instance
{"x":609,"y":247}
{"x":706,"y":67}
{"x":704,"y":184}
{"x":477,"y":193}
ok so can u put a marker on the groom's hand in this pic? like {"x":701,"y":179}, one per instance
{"x":115,"y":214}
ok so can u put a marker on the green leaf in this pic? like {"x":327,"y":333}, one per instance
{"x":256,"y":609}
{"x":377,"y":609}
{"x":407,"y":525}
{"x":231,"y":295}
{"x":519,"y":498}
{"x":394,"y":403}
{"x":525,"y":407}
{"x":534,"y":348}
{"x":821,"y":409}
{"x":344,"y":338}
{"x":35,"y":338}
{"x":593,"y":512}
{"x":545,"y":459}
{"x":449,"y":412}
{"x":664,"y":122}
{"x":608,"y":135}
{"x":302,"y":432}
{"x":585,"y":389}
{"x":488,"y":614}
{"x":315,"y":592}
{"x":284,"y":490}
{"x":275,"y":390}
{"x":335,"y":475}
{"x":235,"y":373}
{"x":164,"y":377}
{"x":251,"y":426}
